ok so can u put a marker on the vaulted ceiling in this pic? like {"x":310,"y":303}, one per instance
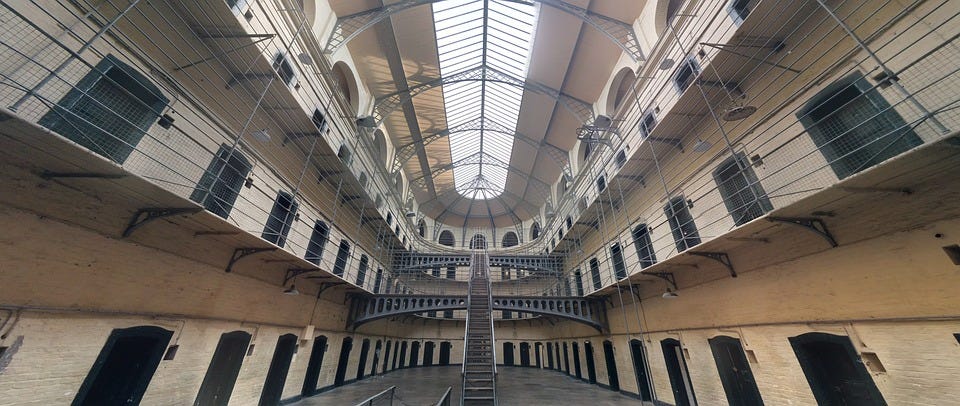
{"x":484,"y":151}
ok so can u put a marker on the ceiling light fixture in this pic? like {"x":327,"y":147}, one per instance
{"x":738,"y":113}
{"x":702,"y":146}
{"x":261,"y":135}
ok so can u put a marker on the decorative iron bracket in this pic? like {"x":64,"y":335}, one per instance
{"x":146,"y":215}
{"x":295,"y":272}
{"x":240,"y":253}
{"x":810,"y":223}
{"x":672,"y":280}
{"x":720,"y":257}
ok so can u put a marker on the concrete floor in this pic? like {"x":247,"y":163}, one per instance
{"x":515,"y":386}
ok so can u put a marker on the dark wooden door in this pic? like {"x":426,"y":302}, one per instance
{"x":345,"y":348}
{"x":735,"y":373}
{"x":277,"y":373}
{"x":445,"y":353}
{"x":834,"y":370}
{"x":683,"y":394}
{"x":313,"y":366}
{"x":611,"y":359}
{"x":591,"y":365}
{"x":224,"y":368}
{"x":524,"y":354}
{"x":640,"y":369}
{"x":125,"y":366}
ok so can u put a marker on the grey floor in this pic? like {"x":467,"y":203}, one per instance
{"x":515,"y":386}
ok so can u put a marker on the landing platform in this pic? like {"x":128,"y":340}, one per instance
{"x":516,"y":386}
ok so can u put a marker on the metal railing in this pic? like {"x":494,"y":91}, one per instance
{"x":385,"y":397}
{"x":445,"y":399}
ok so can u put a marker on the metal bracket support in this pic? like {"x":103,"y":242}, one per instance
{"x":720,"y":257}
{"x":632,"y":289}
{"x":813,"y":224}
{"x":144,"y":216}
{"x":240,"y":253}
{"x":672,"y":280}
{"x":295,"y":272}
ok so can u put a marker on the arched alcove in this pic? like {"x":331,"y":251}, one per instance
{"x":619,"y":91}
{"x":347,"y":84}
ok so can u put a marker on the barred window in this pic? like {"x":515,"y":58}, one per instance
{"x":644,"y":246}
{"x":741,"y":191}
{"x":318,"y":240}
{"x":281,"y":218}
{"x":220,"y":184}
{"x":108,"y":111}
{"x":681,"y":224}
{"x":854,"y":127}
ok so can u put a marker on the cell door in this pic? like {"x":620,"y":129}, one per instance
{"x":550,"y":355}
{"x":342,"y":362}
{"x":640,"y":369}
{"x":445,"y":353}
{"x":224,"y":368}
{"x":537,"y":348}
{"x":428,"y":353}
{"x":576,"y":360}
{"x":735,"y":373}
{"x":524,"y":354}
{"x":508,"y":354}
{"x":376,"y":358}
{"x":364,"y":352}
{"x":313,"y":366}
{"x":277,"y":373}
{"x":679,"y":375}
{"x":415,"y":353}
{"x":125,"y":366}
{"x":591,"y":365}
{"x":834,"y":371}
{"x":611,"y":359}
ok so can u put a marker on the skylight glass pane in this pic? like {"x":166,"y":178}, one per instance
{"x":471,"y":33}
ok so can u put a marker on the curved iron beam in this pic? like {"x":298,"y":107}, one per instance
{"x":407,"y":151}
{"x":385,"y":105}
{"x":621,"y":33}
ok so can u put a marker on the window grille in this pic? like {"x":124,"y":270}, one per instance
{"x":220,"y":185}
{"x":681,"y":224}
{"x":741,"y":191}
{"x":108,"y":111}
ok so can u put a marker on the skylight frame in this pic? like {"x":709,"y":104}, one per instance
{"x":498,"y":34}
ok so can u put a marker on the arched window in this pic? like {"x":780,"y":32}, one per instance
{"x":446,"y":238}
{"x":478,"y":242}
{"x":509,"y":240}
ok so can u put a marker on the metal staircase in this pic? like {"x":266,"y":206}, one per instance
{"x":479,"y":365}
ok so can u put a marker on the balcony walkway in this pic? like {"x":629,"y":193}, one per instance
{"x":521,"y":386}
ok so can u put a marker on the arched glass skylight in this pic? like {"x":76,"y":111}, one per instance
{"x":496,"y":34}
